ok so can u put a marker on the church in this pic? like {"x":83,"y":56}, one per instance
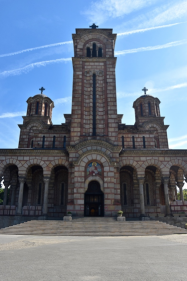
{"x":93,"y":164}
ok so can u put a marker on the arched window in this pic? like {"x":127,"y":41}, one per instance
{"x":31,"y":143}
{"x":37,"y":107}
{"x":39,"y":193}
{"x":141,"y":109}
{"x":54,"y":138}
{"x":45,"y":113}
{"x":94,"y":51}
{"x":149,"y":108}
{"x":100,"y":52}
{"x":147,"y":194}
{"x":94,"y":105}
{"x":62,"y":189}
{"x":124,"y":193}
{"x":133,"y":141}
{"x":123,"y":144}
{"x":43,"y":142}
{"x":88,"y":52}
{"x":64,"y":144}
{"x":144,"y":146}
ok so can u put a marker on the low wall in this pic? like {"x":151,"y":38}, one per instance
{"x":177,"y":221}
{"x":6,"y":221}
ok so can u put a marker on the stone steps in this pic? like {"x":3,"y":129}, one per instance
{"x":93,"y":227}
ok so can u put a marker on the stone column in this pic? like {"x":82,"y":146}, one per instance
{"x":20,"y":198}
{"x":142,"y":204}
{"x":6,"y":184}
{"x":166,"y":180}
{"x":45,"y":204}
{"x":180,"y":185}
{"x":13,"y":195}
{"x":173,"y":192}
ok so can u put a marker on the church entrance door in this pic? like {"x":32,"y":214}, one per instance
{"x":94,"y":200}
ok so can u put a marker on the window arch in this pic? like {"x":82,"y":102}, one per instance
{"x":46,"y":108}
{"x":94,"y":50}
{"x":88,"y":52}
{"x":37,"y":107}
{"x":100,"y":52}
{"x":149,"y":108}
{"x":141,"y":109}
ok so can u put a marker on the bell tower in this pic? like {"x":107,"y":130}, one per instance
{"x":94,"y":108}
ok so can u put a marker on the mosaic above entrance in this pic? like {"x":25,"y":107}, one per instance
{"x":93,"y":169}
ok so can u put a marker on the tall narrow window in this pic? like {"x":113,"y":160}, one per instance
{"x":123,"y":144}
{"x":64,"y":144}
{"x":37,"y":107}
{"x":144,"y":146}
{"x":31,"y":143}
{"x":149,"y":108}
{"x":39,"y":193}
{"x":100,"y":53}
{"x":54,"y":138}
{"x":141,"y":109}
{"x":124,"y":194}
{"x":43,"y":142}
{"x":62,"y":194}
{"x":88,"y":52}
{"x":94,"y":51}
{"x":45,"y":113}
{"x":133,"y":141}
{"x":94,"y":104}
{"x":147,"y":194}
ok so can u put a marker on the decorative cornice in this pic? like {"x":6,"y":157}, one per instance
{"x":32,"y":152}
{"x":93,"y":151}
{"x":100,"y":143}
{"x":155,"y":152}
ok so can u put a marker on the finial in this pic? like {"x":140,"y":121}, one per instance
{"x":145,"y":90}
{"x":94,"y":26}
{"x":42,"y":89}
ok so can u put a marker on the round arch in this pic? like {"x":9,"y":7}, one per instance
{"x":93,"y":178}
{"x":7,"y":163}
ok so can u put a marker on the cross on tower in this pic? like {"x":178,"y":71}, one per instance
{"x":145,"y":90}
{"x":94,"y":26}
{"x":42,"y":89}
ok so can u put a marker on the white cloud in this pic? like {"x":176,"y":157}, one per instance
{"x":178,"y":144}
{"x":178,"y":139}
{"x":12,"y":114}
{"x":36,"y":48}
{"x":63,"y":100}
{"x":101,"y":10}
{"x":29,"y":67}
{"x":146,"y":29}
{"x":151,"y":91}
{"x":151,"y":48}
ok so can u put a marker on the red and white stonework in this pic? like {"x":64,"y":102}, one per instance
{"x":93,"y":165}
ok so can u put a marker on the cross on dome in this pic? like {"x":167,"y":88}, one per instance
{"x":94,"y":26}
{"x":145,"y":90}
{"x":42,"y":89}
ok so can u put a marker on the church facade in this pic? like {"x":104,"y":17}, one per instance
{"x":93,"y":164}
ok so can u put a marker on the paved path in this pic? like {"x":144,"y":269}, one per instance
{"x":49,"y":258}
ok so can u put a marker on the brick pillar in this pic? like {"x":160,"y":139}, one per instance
{"x":166,"y":180}
{"x":142,"y":204}
{"x":45,"y":202}
{"x":70,"y":195}
{"x":20,"y":198}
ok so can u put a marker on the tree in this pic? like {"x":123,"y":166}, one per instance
{"x":184,"y":194}
{"x":1,"y":192}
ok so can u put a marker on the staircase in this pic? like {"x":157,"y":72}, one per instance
{"x":92,"y":227}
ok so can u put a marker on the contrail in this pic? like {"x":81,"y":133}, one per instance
{"x":29,"y":67}
{"x":151,"y":48}
{"x":147,"y":29}
{"x":36,"y":48}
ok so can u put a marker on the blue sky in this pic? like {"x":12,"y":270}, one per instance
{"x":36,"y":50}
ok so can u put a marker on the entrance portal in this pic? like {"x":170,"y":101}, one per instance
{"x":94,"y":200}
